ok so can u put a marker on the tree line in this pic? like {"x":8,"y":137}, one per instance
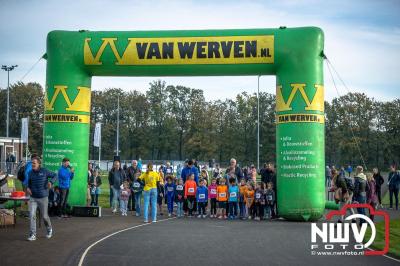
{"x":175,"y":122}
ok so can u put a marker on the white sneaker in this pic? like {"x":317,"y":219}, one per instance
{"x":114,"y":210}
{"x":169,"y":215}
{"x":199,"y":216}
{"x":31,"y":238}
{"x":204,"y":216}
{"x":49,"y":234}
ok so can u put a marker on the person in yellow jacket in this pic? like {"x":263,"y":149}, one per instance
{"x":151,"y":181}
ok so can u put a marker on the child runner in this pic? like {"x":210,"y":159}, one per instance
{"x":202,"y":198}
{"x":242,"y":203}
{"x":233,"y":198}
{"x":249,"y":199}
{"x":160,"y":194}
{"x":137,"y":189}
{"x":190,"y":193}
{"x":259,"y":201}
{"x":222,"y":198}
{"x":125,"y":193}
{"x":179,"y":198}
{"x":170,"y":195}
{"x":212,"y":194}
{"x":270,"y":200}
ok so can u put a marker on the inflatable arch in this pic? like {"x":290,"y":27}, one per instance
{"x":294,"y":55}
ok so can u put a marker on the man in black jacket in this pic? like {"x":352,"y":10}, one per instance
{"x":394,"y":186}
{"x":38,"y":190}
{"x":115,"y":178}
{"x":267,"y":173}
{"x":378,"y":183}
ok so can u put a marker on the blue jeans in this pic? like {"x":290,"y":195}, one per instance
{"x":361,"y":200}
{"x":150,"y":197}
{"x":179,"y":209}
{"x":242,"y":209}
{"x":138,"y":199}
{"x":123,"y":205}
{"x":115,"y":197}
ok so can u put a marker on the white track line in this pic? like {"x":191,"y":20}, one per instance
{"x":386,"y":256}
{"x":110,"y":235}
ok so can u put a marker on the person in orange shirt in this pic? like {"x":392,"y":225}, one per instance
{"x":249,"y":199}
{"x":190,"y":193}
{"x":222,"y":198}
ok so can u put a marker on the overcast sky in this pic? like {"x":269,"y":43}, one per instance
{"x":362,"y":38}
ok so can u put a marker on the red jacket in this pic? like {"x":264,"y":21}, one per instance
{"x":190,"y":188}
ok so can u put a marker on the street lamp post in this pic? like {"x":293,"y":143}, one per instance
{"x":8,"y":69}
{"x":118,"y":127}
{"x":258,"y":123}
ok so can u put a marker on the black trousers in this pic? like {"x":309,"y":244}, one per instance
{"x":213,"y":210}
{"x":190,"y":204}
{"x":378,"y":192}
{"x":202,"y":208}
{"x":62,"y":210}
{"x":395,"y":192}
{"x":259,"y":210}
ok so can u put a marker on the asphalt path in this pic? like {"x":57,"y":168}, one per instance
{"x":192,"y":241}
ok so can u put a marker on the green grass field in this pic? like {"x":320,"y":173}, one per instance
{"x":394,"y":238}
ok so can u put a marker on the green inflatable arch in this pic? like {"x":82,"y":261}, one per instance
{"x":294,"y":55}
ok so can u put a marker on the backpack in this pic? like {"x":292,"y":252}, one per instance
{"x":349,"y":184}
{"x":21,"y":173}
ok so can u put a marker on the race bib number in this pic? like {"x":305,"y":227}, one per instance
{"x":179,"y":187}
{"x":191,"y":190}
{"x":136,"y":184}
{"x":170,"y":189}
{"x":202,"y":196}
{"x":269,"y":197}
{"x":124,"y":193}
{"x":168,"y":171}
{"x":232,"y":195}
{"x":258,"y":195}
{"x":222,"y":195}
{"x":213,"y":191}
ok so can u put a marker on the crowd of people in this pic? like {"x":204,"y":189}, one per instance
{"x":360,"y":187}
{"x":191,"y":191}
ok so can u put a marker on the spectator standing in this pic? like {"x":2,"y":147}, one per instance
{"x":151,"y":180}
{"x":379,"y":181}
{"x":115,"y":179}
{"x":235,"y":170}
{"x":394,"y":185}
{"x":94,"y":184}
{"x":65,"y":176}
{"x":371,"y":193}
{"x":360,"y":189}
{"x":266,"y":173}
